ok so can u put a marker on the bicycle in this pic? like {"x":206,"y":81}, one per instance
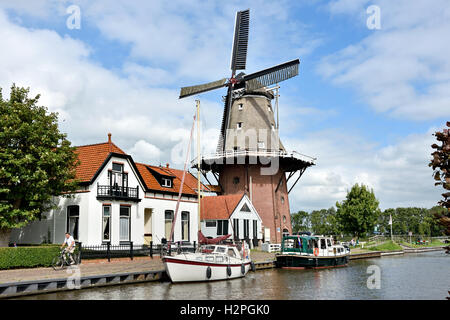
{"x":61,"y":261}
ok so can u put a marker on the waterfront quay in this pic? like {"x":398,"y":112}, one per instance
{"x":99,"y":273}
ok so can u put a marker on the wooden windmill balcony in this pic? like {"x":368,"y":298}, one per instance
{"x":107,"y":192}
{"x":291,"y":161}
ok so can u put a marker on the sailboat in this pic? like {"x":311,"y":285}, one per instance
{"x":213,"y":261}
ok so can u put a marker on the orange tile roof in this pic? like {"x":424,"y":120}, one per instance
{"x":153,"y":184}
{"x":214,"y":188}
{"x":219,"y":207}
{"x":189,"y":179}
{"x":91,"y":157}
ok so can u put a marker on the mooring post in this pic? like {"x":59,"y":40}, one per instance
{"x":108,"y":251}
{"x":151,"y":249}
{"x":131,"y":250}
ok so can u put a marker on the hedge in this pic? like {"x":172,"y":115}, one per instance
{"x":27,"y":257}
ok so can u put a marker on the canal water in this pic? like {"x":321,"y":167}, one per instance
{"x":409,"y":276}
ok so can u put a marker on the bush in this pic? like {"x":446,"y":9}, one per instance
{"x":27,"y":257}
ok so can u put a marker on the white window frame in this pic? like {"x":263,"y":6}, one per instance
{"x":166,"y":183}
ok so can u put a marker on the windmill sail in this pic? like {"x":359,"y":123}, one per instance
{"x":267,"y":77}
{"x":189,"y":91}
{"x":240,"y":41}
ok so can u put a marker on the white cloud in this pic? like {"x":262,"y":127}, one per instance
{"x":398,"y":173}
{"x":145,"y":152}
{"x":402,"y":69}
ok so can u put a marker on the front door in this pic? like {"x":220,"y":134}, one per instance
{"x":148,"y":226}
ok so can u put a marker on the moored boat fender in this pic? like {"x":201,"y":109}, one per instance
{"x":229,"y":271}
{"x":208,"y":272}
{"x":252,"y":265}
{"x":243,"y":268}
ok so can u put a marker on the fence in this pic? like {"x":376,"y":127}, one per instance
{"x":129,"y":250}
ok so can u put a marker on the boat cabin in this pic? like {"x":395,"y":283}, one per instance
{"x":231,"y":251}
{"x":311,"y":245}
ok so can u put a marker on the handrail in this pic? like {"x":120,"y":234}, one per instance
{"x":257,"y":153}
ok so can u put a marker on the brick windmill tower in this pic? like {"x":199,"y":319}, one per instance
{"x":250,"y":157}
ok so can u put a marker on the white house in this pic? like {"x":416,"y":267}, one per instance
{"x":118,"y":201}
{"x":231,"y":214}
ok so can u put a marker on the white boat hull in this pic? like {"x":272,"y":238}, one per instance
{"x":182,"y":269}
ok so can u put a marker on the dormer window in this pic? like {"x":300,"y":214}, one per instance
{"x":166,"y":183}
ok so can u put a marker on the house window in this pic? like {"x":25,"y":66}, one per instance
{"x":255,"y":229}
{"x":185,"y":226}
{"x":166,"y":183}
{"x":222,"y":227}
{"x":236,"y":228}
{"x":106,"y":224}
{"x":240,"y":106}
{"x":168,"y":220}
{"x":211,"y":223}
{"x":246,"y":229}
{"x":124,"y":224}
{"x":73,"y":218}
{"x":239,"y":125}
{"x":118,"y":180}
{"x":235,"y":180}
{"x":117,"y":167}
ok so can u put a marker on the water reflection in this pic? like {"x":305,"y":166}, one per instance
{"x":412,"y":276}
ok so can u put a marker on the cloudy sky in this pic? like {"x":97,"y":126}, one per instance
{"x":365,"y":104}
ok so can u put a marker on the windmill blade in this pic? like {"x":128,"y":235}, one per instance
{"x":267,"y":77}
{"x":240,"y":40}
{"x":189,"y":91}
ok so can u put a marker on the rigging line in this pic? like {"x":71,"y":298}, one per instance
{"x":182,"y":183}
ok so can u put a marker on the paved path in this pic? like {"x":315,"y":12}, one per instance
{"x":99,"y":267}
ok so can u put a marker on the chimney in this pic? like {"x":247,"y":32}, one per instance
{"x":167,"y":165}
{"x":109,"y":142}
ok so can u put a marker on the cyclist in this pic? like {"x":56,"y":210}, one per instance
{"x":70,"y":242}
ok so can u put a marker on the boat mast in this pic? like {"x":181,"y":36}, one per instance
{"x":199,"y":189}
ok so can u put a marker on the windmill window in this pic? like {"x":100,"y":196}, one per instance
{"x":282,"y":200}
{"x":284,"y":219}
{"x":239,"y":125}
{"x":240,"y":106}
{"x":273,"y":127}
{"x":269,"y":108}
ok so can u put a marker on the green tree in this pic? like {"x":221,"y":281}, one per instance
{"x":36,"y":161}
{"x":300,"y":221}
{"x":324,"y":222}
{"x":358,"y":213}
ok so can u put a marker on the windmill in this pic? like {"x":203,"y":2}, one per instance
{"x":247,"y":108}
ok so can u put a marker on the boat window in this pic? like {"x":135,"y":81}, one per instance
{"x":199,"y":258}
{"x":231,"y":253}
{"x":219,"y":259}
{"x":323,"y":244}
{"x":220,"y":249}
{"x":329,"y":242}
{"x":316,"y":243}
{"x":209,"y":258}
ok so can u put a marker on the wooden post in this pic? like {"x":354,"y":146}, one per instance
{"x":108,"y":251}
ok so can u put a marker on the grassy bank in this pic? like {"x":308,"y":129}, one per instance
{"x":434,"y":243}
{"x":387,"y":246}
